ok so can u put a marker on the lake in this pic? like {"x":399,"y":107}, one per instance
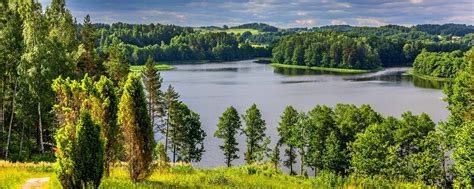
{"x":210,"y":88}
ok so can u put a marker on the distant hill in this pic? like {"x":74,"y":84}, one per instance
{"x":257,"y":26}
{"x":445,"y":29}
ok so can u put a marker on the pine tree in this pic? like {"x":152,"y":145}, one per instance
{"x":255,"y":131}
{"x":88,"y":60}
{"x":138,"y":132}
{"x":116,"y":65}
{"x":170,"y":110}
{"x":286,"y":131}
{"x":152,"y":81}
{"x":89,"y":158}
{"x":104,"y":111}
{"x":228,"y":126}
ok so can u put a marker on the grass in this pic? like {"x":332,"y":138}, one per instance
{"x":159,"y":67}
{"x":13,"y":175}
{"x":427,"y":77}
{"x":337,"y":70}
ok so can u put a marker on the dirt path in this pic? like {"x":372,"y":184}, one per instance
{"x":36,"y":183}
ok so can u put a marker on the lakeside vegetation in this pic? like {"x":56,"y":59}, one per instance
{"x":336,"y":70}
{"x":428,"y":77}
{"x":67,"y":100}
{"x":435,"y":65}
{"x":159,"y":67}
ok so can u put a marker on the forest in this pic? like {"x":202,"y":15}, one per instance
{"x":68,"y":97}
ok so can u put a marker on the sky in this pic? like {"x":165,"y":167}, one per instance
{"x":280,"y":13}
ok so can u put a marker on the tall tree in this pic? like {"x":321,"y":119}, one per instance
{"x":286,"y":131}
{"x":228,"y":126}
{"x":257,"y":140}
{"x":104,"y":111}
{"x":62,"y":35}
{"x":171,"y":105}
{"x":138,"y":132}
{"x":152,"y":81}
{"x":88,"y":59}
{"x":191,"y":146}
{"x":36,"y":66}
{"x":116,"y":65}
{"x":11,"y":49}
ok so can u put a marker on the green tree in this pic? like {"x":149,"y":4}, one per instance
{"x":286,"y":131}
{"x":88,"y":59}
{"x":170,"y":110}
{"x":255,"y":131}
{"x":321,"y":123}
{"x":104,"y":111}
{"x":191,"y":146}
{"x":89,"y":158}
{"x":116,"y":65}
{"x":138,"y":132}
{"x":228,"y":126}
{"x":152,"y":82}
{"x":464,"y":164}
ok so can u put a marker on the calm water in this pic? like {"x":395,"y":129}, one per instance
{"x":210,"y":88}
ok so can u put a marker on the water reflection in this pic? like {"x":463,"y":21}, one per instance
{"x":390,"y":75}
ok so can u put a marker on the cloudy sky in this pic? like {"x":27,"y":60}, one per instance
{"x":281,"y":13}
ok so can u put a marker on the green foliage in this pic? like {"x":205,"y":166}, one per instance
{"x":191,"y":145}
{"x":331,"y":50}
{"x":439,"y":64}
{"x":228,"y":126}
{"x":135,"y":121}
{"x":287,"y":134}
{"x":257,"y":141}
{"x":463,"y":155}
{"x":88,"y":61}
{"x":117,"y":66}
{"x":104,"y":111}
{"x":152,"y":82}
{"x":89,"y":152}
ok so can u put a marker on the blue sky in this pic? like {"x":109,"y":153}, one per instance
{"x":281,"y":13}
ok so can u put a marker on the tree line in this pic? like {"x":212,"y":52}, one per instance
{"x":440,"y":64}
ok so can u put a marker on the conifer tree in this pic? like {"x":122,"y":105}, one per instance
{"x":286,"y":131}
{"x":89,"y":158}
{"x":228,"y":126}
{"x":116,"y":65}
{"x":170,"y":110}
{"x":88,"y":59}
{"x":152,"y":81}
{"x":104,"y":111}
{"x":135,"y":121}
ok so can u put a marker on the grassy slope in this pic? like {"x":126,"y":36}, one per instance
{"x":338,"y":70}
{"x":13,"y":175}
{"x":428,"y":77}
{"x":159,"y":67}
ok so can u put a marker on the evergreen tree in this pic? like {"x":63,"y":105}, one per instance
{"x":152,"y":81}
{"x":89,"y":158}
{"x":104,"y":111}
{"x":116,"y":65}
{"x":275,"y":157}
{"x":255,"y":131}
{"x":228,"y":126}
{"x":286,"y":131}
{"x":138,"y":132}
{"x":170,"y":109}
{"x":88,"y":59}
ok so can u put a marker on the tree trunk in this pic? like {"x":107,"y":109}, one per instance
{"x":166,"y":133}
{"x":40,"y":129}
{"x":21,"y":140}
{"x":174,"y":153}
{"x":302,"y":162}
{"x":291,"y":161}
{"x":11,"y":121}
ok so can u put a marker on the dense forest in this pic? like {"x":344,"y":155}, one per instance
{"x":392,"y":45}
{"x":68,"y":96}
{"x":440,"y":64}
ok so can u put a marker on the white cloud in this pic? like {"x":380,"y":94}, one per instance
{"x":416,"y":1}
{"x":306,"y":22}
{"x":338,"y":22}
{"x":370,"y":22}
